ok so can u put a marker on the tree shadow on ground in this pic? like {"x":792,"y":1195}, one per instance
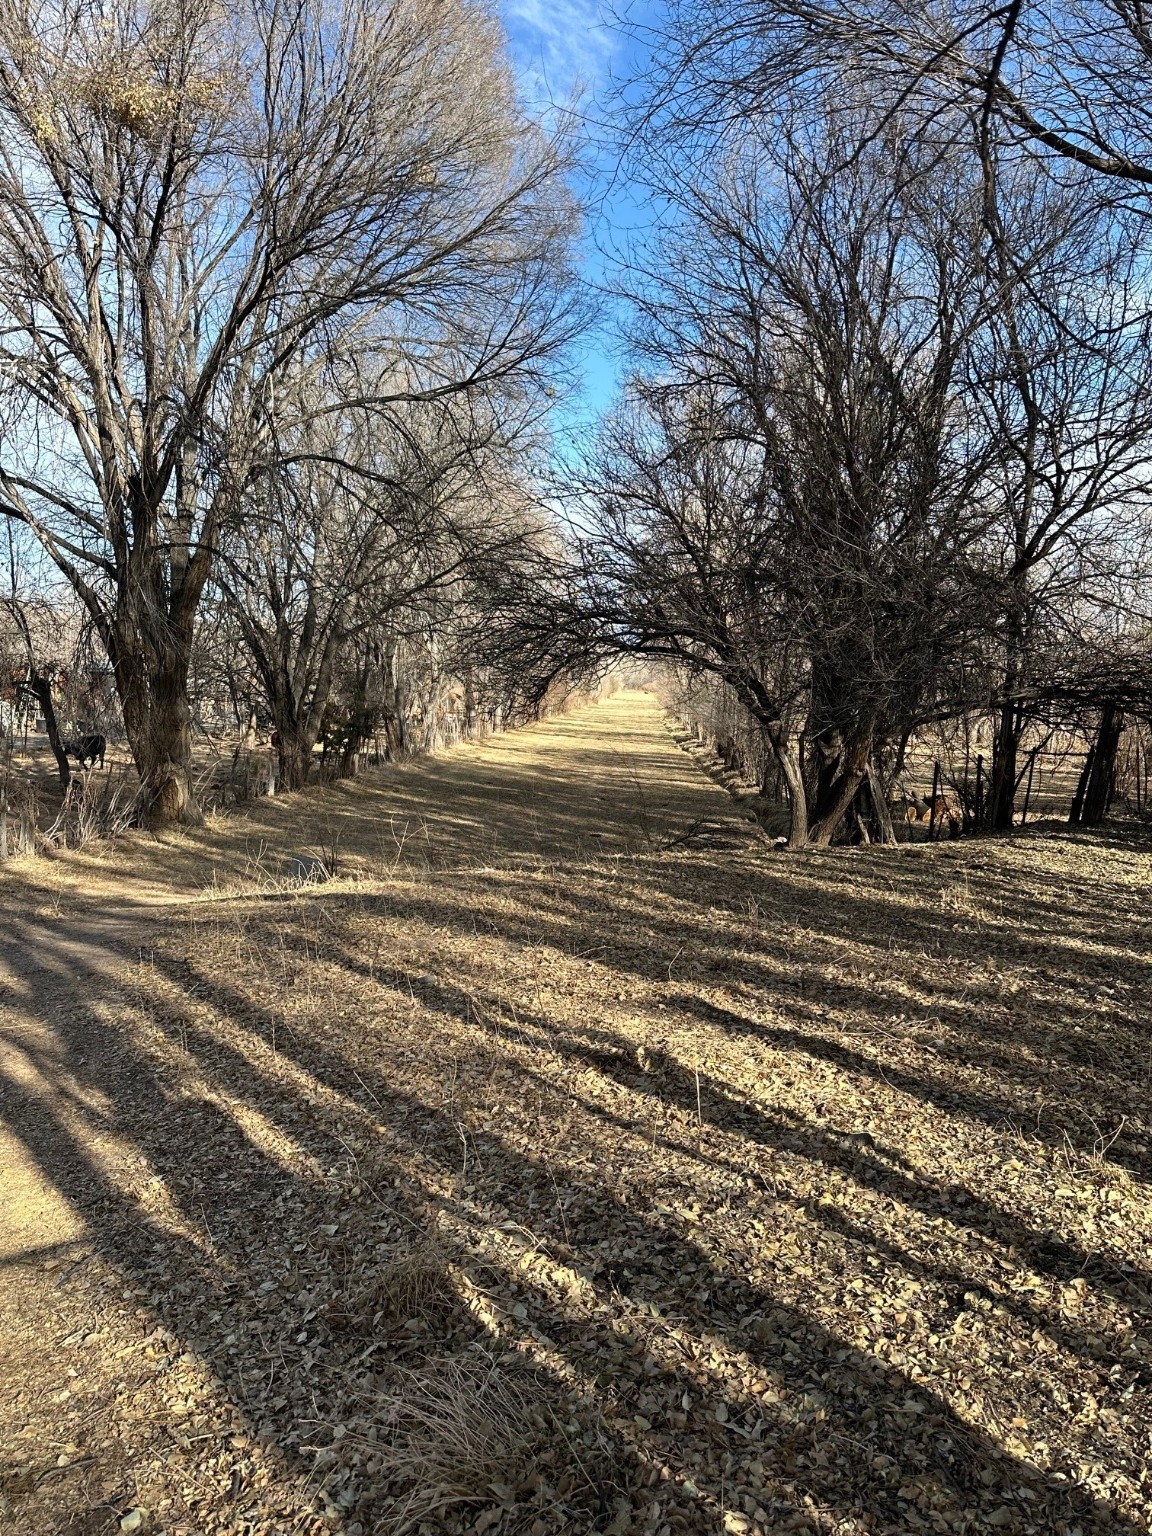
{"x":598,"y":781}
{"x":1006,"y":1045}
{"x":636,"y":1224}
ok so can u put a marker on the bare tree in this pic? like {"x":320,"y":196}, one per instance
{"x":1069,"y":83}
{"x":799,"y":502}
{"x":1063,"y":377}
{"x":1057,"y":368}
{"x":195,"y":201}
{"x":362,"y":520}
{"x":31,"y":618}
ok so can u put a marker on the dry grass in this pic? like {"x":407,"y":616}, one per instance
{"x":805,"y":1193}
{"x":474,"y":1431}
{"x":411,"y":1290}
{"x":577,"y":786}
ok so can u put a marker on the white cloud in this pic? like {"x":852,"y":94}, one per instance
{"x":559,"y":46}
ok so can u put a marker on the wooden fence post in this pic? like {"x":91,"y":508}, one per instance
{"x":932,"y":803}
{"x":1028,"y":790}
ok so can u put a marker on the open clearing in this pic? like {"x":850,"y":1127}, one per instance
{"x":574,"y":1161}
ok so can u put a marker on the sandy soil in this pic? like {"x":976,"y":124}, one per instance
{"x":574,"y":1161}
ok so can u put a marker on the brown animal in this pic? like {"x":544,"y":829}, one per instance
{"x":944,"y":812}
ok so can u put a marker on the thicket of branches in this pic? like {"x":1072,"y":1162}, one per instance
{"x":883,"y":462}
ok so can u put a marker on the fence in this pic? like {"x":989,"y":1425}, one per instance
{"x":1049,"y":785}
{"x":945,"y":787}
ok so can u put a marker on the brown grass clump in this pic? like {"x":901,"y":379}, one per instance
{"x":473,"y":1433}
{"x":411,"y":1291}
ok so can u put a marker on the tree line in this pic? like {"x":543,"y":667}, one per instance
{"x":286,"y":295}
{"x":883,"y":461}
{"x":282,"y":293}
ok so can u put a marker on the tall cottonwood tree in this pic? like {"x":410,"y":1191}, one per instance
{"x":1052,"y":112}
{"x":196,"y":199}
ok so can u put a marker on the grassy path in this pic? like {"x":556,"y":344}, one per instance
{"x":574,"y":1163}
{"x":603,"y":780}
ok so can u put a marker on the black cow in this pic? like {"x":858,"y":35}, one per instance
{"x":86,"y":749}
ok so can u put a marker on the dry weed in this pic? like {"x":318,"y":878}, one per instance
{"x":96,"y":807}
{"x":473,"y":1431}
{"x":412,"y":1291}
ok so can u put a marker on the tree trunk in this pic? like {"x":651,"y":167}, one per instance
{"x":771,"y":779}
{"x":364,"y":715}
{"x":41,"y":689}
{"x":1000,"y":812}
{"x":1077,"y":807}
{"x":469,"y":703}
{"x":298,"y":697}
{"x":838,"y":781}
{"x":788,"y":760}
{"x":834,"y":807}
{"x":881,"y":814}
{"x":395,"y":733}
{"x":1002,"y":790}
{"x":294,"y":752}
{"x":151,"y":668}
{"x":1102,"y":774}
{"x":296,"y":731}
{"x":39,"y":684}
{"x":148,"y":635}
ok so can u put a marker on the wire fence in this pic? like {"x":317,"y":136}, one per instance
{"x":954,"y":796}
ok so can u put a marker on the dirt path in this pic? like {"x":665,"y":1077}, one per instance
{"x":601,"y":780}
{"x":580,"y":1164}
{"x":606,"y":780}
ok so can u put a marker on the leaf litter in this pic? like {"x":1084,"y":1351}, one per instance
{"x":677,"y":1189}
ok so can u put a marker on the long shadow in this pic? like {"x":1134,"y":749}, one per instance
{"x":835,"y":1151}
{"x":861,"y":1157}
{"x":912,"y":1453}
{"x":683,"y":1255}
{"x":776,"y":972}
{"x":830,"y":1391}
{"x":1048,"y":1252}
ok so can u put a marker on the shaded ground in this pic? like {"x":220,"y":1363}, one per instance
{"x":583,"y":1162}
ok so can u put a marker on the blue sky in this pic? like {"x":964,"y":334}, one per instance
{"x":566,"y":49}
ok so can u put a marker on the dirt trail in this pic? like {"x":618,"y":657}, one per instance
{"x":574,"y":1163}
{"x":603,"y":780}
